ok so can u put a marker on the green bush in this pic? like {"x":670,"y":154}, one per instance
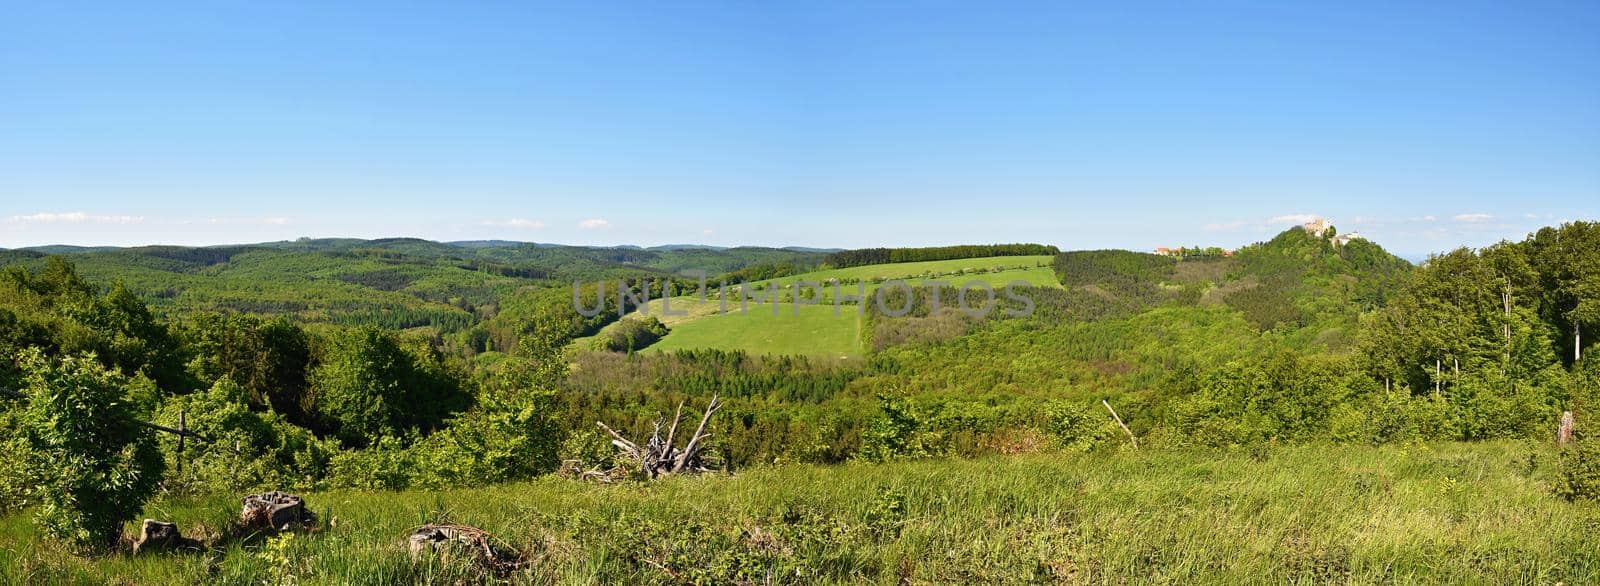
{"x":1075,"y":427}
{"x":632,"y":334}
{"x":899,"y":431}
{"x":370,"y":385}
{"x":16,"y":477}
{"x":588,"y":449}
{"x":386,"y":464}
{"x":1578,"y":473}
{"x":505,"y":438}
{"x":250,"y":450}
{"x":94,"y":463}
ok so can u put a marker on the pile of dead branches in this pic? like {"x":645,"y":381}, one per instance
{"x":660,"y":456}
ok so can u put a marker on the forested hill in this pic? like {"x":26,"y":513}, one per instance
{"x":1306,"y":287}
{"x":875,"y":256}
{"x":1311,"y":282}
{"x":394,"y":283}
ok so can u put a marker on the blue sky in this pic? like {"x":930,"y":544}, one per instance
{"x":813,"y":123}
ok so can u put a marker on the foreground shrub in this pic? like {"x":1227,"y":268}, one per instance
{"x":16,"y":477}
{"x":250,"y":450}
{"x":1075,"y":427}
{"x":95,"y":464}
{"x":386,"y":464}
{"x":505,"y":438}
{"x":509,"y":435}
{"x":1578,"y":474}
{"x":899,"y":431}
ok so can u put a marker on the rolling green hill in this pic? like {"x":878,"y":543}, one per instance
{"x":817,"y":330}
{"x":395,"y":282}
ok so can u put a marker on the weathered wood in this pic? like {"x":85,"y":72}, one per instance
{"x":659,"y":456}
{"x":692,"y":449}
{"x":1565,"y":428}
{"x":1125,"y":429}
{"x":162,"y":536}
{"x":444,"y":540}
{"x":274,"y":511}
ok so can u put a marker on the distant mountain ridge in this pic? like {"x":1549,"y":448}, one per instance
{"x":345,"y":243}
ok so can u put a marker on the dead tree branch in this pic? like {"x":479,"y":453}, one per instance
{"x":659,"y":456}
{"x":1125,"y":429}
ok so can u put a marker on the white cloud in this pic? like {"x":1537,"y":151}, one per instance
{"x":1472,"y":218}
{"x":594,"y":224}
{"x":1429,"y":218}
{"x":522,"y":223}
{"x":1294,"y":218}
{"x":73,"y":218}
{"x":706,"y":232}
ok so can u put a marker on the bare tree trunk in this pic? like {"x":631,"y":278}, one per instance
{"x":1437,"y":373}
{"x":1577,"y":342}
{"x":1564,"y":430}
{"x":1505,"y":299}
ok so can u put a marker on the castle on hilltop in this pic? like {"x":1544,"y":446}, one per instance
{"x":1319,"y":226}
{"x":1316,"y":226}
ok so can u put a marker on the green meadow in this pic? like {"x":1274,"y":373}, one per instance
{"x":812,"y":330}
{"x":997,"y":272}
{"x":816,"y":330}
{"x":1422,"y":513}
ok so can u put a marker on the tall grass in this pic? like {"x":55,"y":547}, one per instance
{"x":1447,"y":513}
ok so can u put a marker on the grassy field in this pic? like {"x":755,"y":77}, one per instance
{"x":816,"y":331}
{"x":913,"y":270}
{"x":813,"y":331}
{"x":1000,"y":270}
{"x":1447,"y":513}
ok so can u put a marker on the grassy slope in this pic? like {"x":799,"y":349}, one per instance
{"x":817,"y":331}
{"x":814,"y":331}
{"x":1451,"y":513}
{"x":1035,"y":270}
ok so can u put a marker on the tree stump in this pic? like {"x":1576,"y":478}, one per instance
{"x":447,"y":542}
{"x":162,"y":536}
{"x":1564,"y":431}
{"x":274,"y":511}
